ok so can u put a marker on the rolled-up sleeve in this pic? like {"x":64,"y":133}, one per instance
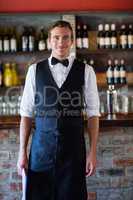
{"x":27,"y":101}
{"x":91,"y":93}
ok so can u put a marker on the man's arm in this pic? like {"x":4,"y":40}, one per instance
{"x":25,"y":130}
{"x":93,"y":131}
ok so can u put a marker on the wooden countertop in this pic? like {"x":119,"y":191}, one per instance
{"x":10,"y":122}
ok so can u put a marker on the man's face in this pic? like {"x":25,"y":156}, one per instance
{"x":60,"y":41}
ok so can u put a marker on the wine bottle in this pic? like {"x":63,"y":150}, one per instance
{"x":13,"y":40}
{"x":130,"y":36}
{"x":122,"y":72}
{"x":123,"y":37}
{"x":31,"y":36}
{"x":1,"y":74}
{"x":79,"y":37}
{"x":7,"y":75}
{"x":100,"y":37}
{"x":110,"y":73}
{"x":24,"y":39}
{"x":113,"y":38}
{"x":1,"y":40}
{"x":6,"y":42}
{"x":116,"y":72}
{"x":107,"y":37}
{"x":85,"y":39}
{"x":41,"y":41}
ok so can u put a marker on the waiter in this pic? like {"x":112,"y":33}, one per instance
{"x":56,"y":89}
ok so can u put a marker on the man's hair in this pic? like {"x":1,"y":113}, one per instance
{"x":62,"y":24}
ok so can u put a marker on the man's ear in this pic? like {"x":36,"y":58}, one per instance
{"x":49,"y":42}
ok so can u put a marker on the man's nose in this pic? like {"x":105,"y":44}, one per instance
{"x":61,"y":41}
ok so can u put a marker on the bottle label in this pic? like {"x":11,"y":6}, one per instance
{"x":31,"y":43}
{"x":107,"y":41}
{"x":6,"y":45}
{"x":85,"y":43}
{"x":113,"y":41}
{"x":41,"y":45}
{"x":122,"y":74}
{"x":123,"y":39}
{"x":13,"y":44}
{"x":116,"y":73}
{"x":130,"y":39}
{"x":0,"y":79}
{"x":1,"y":49}
{"x":24,"y":43}
{"x":79,"y":43}
{"x":109,"y":73}
{"x":101,"y":41}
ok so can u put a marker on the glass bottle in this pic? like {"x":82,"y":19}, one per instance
{"x":41,"y":41}
{"x":31,"y":40}
{"x":1,"y":74}
{"x":13,"y":40}
{"x":7,"y":75}
{"x":100,"y":37}
{"x":79,"y":44}
{"x":116,"y":72}
{"x":123,"y":37}
{"x":110,"y":73}
{"x":85,"y":39}
{"x":1,"y":40}
{"x":15,"y":78}
{"x":113,"y":38}
{"x":130,"y":36}
{"x":122,"y":72}
{"x":6,"y":41}
{"x":107,"y":37}
{"x":24,"y":39}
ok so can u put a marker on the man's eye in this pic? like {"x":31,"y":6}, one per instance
{"x":56,"y":37}
{"x":66,"y":37}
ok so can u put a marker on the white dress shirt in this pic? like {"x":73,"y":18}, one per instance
{"x":60,"y":73}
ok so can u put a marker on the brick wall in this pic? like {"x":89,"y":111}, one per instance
{"x":113,"y":179}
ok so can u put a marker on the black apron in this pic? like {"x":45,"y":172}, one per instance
{"x":58,"y":158}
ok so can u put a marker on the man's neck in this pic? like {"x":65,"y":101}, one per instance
{"x":60,"y":57}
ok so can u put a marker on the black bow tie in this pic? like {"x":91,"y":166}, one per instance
{"x":64,"y":62}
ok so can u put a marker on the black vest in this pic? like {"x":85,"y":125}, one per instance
{"x":58,"y":112}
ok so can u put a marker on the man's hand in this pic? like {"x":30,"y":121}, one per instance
{"x":90,"y":164}
{"x":22,"y":162}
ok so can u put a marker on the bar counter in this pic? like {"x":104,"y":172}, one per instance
{"x":119,"y":120}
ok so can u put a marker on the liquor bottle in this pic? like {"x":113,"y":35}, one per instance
{"x":24,"y":39}
{"x":123,"y":37}
{"x":31,"y":36}
{"x":6,"y":42}
{"x":116,"y":72}
{"x":113,"y":38}
{"x":15,"y":78}
{"x":110,"y":73}
{"x":7,"y":75}
{"x":112,"y":101}
{"x":85,"y":39}
{"x":79,"y":37}
{"x":130,"y":36}
{"x":41,"y":41}
{"x":100,"y":37}
{"x":107,"y":37}
{"x":13,"y":41}
{"x":1,"y":74}
{"x":122,"y":72}
{"x":1,"y":40}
